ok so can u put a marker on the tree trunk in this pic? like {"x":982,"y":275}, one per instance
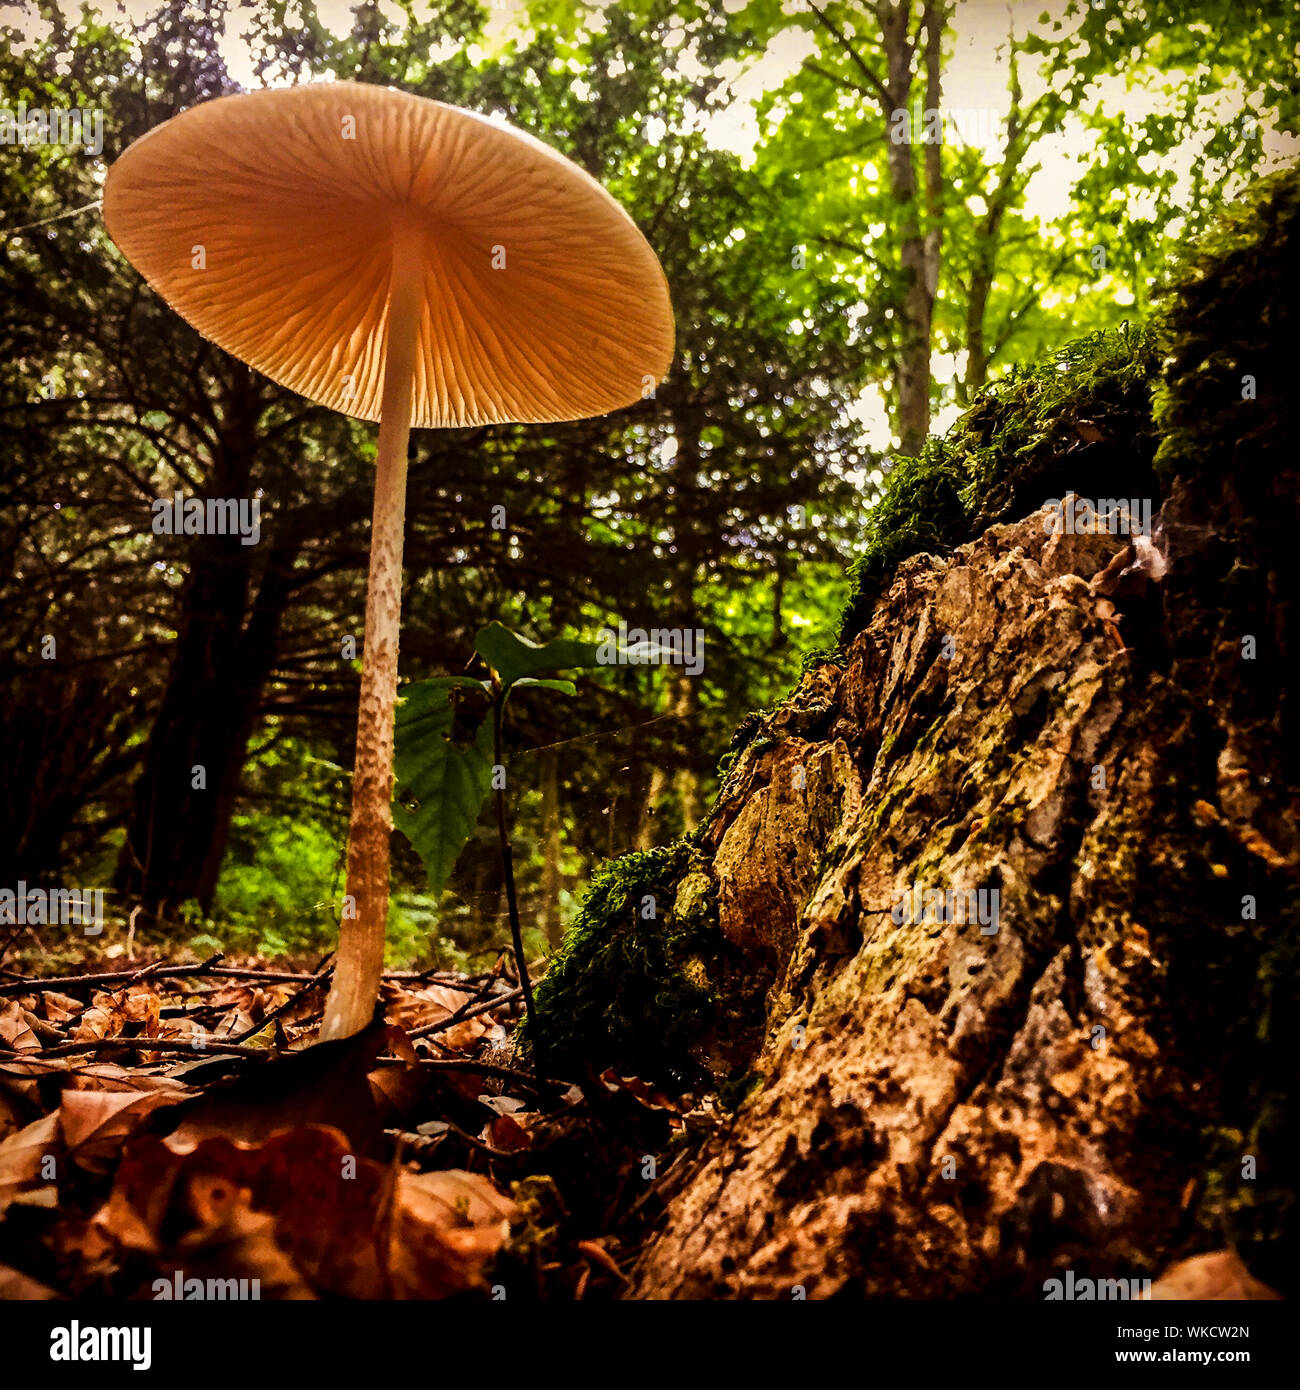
{"x":199,"y":738}
{"x":193,"y":742}
{"x":972,"y":1105}
{"x":258,"y":647}
{"x":687,"y":782}
{"x":922,"y":225}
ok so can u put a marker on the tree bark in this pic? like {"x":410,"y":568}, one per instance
{"x":972,"y":1105}
{"x":175,"y":824}
{"x":920,"y":210}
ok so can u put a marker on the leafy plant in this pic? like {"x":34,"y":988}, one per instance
{"x":448,"y":755}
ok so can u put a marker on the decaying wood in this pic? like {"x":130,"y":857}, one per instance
{"x":947,"y":1109}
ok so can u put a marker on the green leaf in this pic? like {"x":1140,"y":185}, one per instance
{"x":564,"y":687}
{"x":441,"y":783}
{"x":513,"y":657}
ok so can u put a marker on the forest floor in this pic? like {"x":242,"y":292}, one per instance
{"x":168,"y":1121}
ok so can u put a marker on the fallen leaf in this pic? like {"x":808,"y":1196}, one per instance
{"x":15,"y":1031}
{"x":96,"y":1123}
{"x":22,"y":1157}
{"x":445,"y":1230}
{"x":16,"y":1285}
{"x":1220,"y":1276}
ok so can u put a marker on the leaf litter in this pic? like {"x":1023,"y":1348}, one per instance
{"x":173,"y":1131}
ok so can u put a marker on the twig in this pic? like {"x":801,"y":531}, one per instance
{"x":314,"y":983}
{"x":466,"y":1013}
{"x":155,"y":1045}
{"x":9,"y":940}
{"x":522,"y":1078}
{"x":421,"y":1143}
{"x":155,"y":971}
{"x":508,"y":865}
{"x":35,"y":985}
{"x":45,"y":221}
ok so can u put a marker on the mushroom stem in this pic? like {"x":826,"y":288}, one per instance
{"x":360,"y":961}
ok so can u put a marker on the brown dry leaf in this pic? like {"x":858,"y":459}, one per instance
{"x":419,"y":1008}
{"x":85,"y":1255}
{"x":21,"y":1158}
{"x":1220,"y":1276}
{"x":233,"y":996}
{"x":10,"y":1118}
{"x":594,"y":1250}
{"x":232,"y":1023}
{"x":96,"y":1123}
{"x":96,"y":1023}
{"x":1128,"y":574}
{"x":649,"y":1096}
{"x":133,"y":1215}
{"x":321,"y":1198}
{"x":184,"y":1029}
{"x":109,"y":1076}
{"x":134,"y":1009}
{"x":16,"y":1285}
{"x":15,"y":1031}
{"x":142,"y":1006}
{"x":23,"y":1078}
{"x":59,"y":1008}
{"x":509,"y":1133}
{"x":398,"y":1089}
{"x":445,"y":1230}
{"x":322,"y":1085}
{"x":240,"y":1245}
{"x":304,"y":1200}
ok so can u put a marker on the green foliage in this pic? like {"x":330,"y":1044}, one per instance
{"x":515,"y":660}
{"x":294,"y":861}
{"x":1081,"y":421}
{"x":442,"y":767}
{"x":277,"y":894}
{"x":442,"y":776}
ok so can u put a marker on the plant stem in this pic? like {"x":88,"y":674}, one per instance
{"x":508,"y":868}
{"x":360,"y":961}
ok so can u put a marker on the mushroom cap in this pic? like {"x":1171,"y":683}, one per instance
{"x":268,"y":219}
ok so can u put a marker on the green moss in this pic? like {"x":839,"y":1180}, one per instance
{"x":1120,"y":412}
{"x":824,"y":656}
{"x":1081,"y":421}
{"x":921,"y":510}
{"x":644,"y":975}
{"x":1233,"y":313}
{"x":738,"y":1088}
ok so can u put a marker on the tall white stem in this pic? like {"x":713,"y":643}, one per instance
{"x":360,"y":961}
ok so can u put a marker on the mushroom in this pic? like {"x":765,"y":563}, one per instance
{"x":405,"y":262}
